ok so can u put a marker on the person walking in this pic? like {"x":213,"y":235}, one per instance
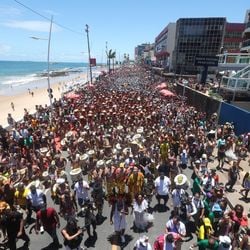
{"x":13,"y":222}
{"x":47,"y":220}
{"x":35,"y":199}
{"x":140,"y":207}
{"x":12,"y":106}
{"x":233,"y":175}
{"x":72,"y":235}
{"x":119,"y":210}
{"x":162,"y":186}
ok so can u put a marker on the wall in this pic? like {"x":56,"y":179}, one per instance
{"x":240,"y":117}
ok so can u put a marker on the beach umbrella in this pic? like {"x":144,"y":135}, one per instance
{"x":166,"y":93}
{"x":162,"y":85}
{"x":72,"y":95}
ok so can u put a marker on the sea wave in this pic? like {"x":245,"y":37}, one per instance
{"x":19,"y":80}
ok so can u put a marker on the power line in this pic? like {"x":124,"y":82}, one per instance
{"x":39,"y":14}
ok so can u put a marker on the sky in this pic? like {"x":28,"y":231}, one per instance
{"x":123,"y":24}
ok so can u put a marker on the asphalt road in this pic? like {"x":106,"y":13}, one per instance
{"x":104,"y":237}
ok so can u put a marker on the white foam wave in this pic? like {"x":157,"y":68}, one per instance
{"x":20,"y":80}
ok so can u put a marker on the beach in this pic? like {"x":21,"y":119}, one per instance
{"x":40,"y":97}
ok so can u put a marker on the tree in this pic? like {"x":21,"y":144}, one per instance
{"x":111,"y":55}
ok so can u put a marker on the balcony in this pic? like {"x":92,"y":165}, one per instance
{"x":246,"y":43}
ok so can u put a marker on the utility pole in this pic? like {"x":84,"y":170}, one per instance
{"x":107,"y":56}
{"x":90,"y":68}
{"x":48,"y":62}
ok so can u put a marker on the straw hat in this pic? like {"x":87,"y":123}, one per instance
{"x":69,"y":134}
{"x":91,"y":152}
{"x":136,"y":137}
{"x":63,"y":142}
{"x":60,"y":181}
{"x":80,"y":140}
{"x":84,"y":157}
{"x":45,"y":174}
{"x":100,"y":163}
{"x":108,"y":162}
{"x":180,"y":179}
{"x":120,"y":127}
{"x":139,"y":130}
{"x":44,"y":150}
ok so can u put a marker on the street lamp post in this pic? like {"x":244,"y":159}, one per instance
{"x":48,"y":61}
{"x":90,"y":68}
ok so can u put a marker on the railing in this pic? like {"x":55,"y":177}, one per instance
{"x":238,"y":84}
{"x":245,"y":43}
{"x":243,"y":72}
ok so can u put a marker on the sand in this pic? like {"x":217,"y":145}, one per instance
{"x":25,"y":100}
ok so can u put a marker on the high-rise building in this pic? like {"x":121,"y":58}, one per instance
{"x":164,"y":46}
{"x":196,"y":36}
{"x":233,"y":37}
{"x":245,"y":47}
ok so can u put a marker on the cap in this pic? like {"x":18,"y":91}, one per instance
{"x":216,"y":208}
{"x":197,"y":162}
{"x":207,"y":222}
{"x":225,"y":239}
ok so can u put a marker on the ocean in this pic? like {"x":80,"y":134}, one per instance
{"x":18,"y":76}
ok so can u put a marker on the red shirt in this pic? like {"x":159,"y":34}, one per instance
{"x":47,"y":218}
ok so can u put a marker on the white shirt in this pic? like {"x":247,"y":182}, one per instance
{"x":162,"y":186}
{"x":178,"y":228}
{"x":139,"y":246}
{"x":176,"y":195}
{"x":36,"y":199}
{"x":81,"y":191}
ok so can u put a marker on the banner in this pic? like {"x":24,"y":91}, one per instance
{"x":93,"y":62}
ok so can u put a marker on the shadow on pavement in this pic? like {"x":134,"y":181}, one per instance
{"x":115,"y":239}
{"x":90,"y":241}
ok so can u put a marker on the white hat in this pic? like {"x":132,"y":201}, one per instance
{"x":118,"y":146}
{"x":197,"y":162}
{"x":69,"y":134}
{"x":44,"y":150}
{"x":139,"y":130}
{"x":120,"y":127}
{"x":225,"y":240}
{"x":136,"y":137}
{"x":83,"y":157}
{"x":63,"y":142}
{"x":91,"y":152}
{"x":100,"y":163}
{"x":180,"y":179}
{"x":60,"y":181}
{"x":204,"y":156}
{"x":80,"y":139}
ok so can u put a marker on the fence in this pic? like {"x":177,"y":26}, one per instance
{"x":226,"y":112}
{"x":199,"y":100}
{"x":240,"y":117}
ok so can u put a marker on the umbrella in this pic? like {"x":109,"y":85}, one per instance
{"x":166,"y":93}
{"x":72,"y":95}
{"x":162,"y":85}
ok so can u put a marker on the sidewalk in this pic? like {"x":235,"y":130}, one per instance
{"x":235,"y":197}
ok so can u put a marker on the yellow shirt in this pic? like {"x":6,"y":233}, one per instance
{"x":20,"y":198}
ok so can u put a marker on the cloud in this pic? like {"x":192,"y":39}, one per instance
{"x":31,"y":25}
{"x":4,"y":48}
{"x":10,"y":11}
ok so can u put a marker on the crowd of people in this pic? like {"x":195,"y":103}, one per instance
{"x":121,"y":142}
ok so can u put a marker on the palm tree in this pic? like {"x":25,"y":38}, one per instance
{"x":111,"y":55}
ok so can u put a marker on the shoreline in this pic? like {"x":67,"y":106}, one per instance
{"x":40,"y":97}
